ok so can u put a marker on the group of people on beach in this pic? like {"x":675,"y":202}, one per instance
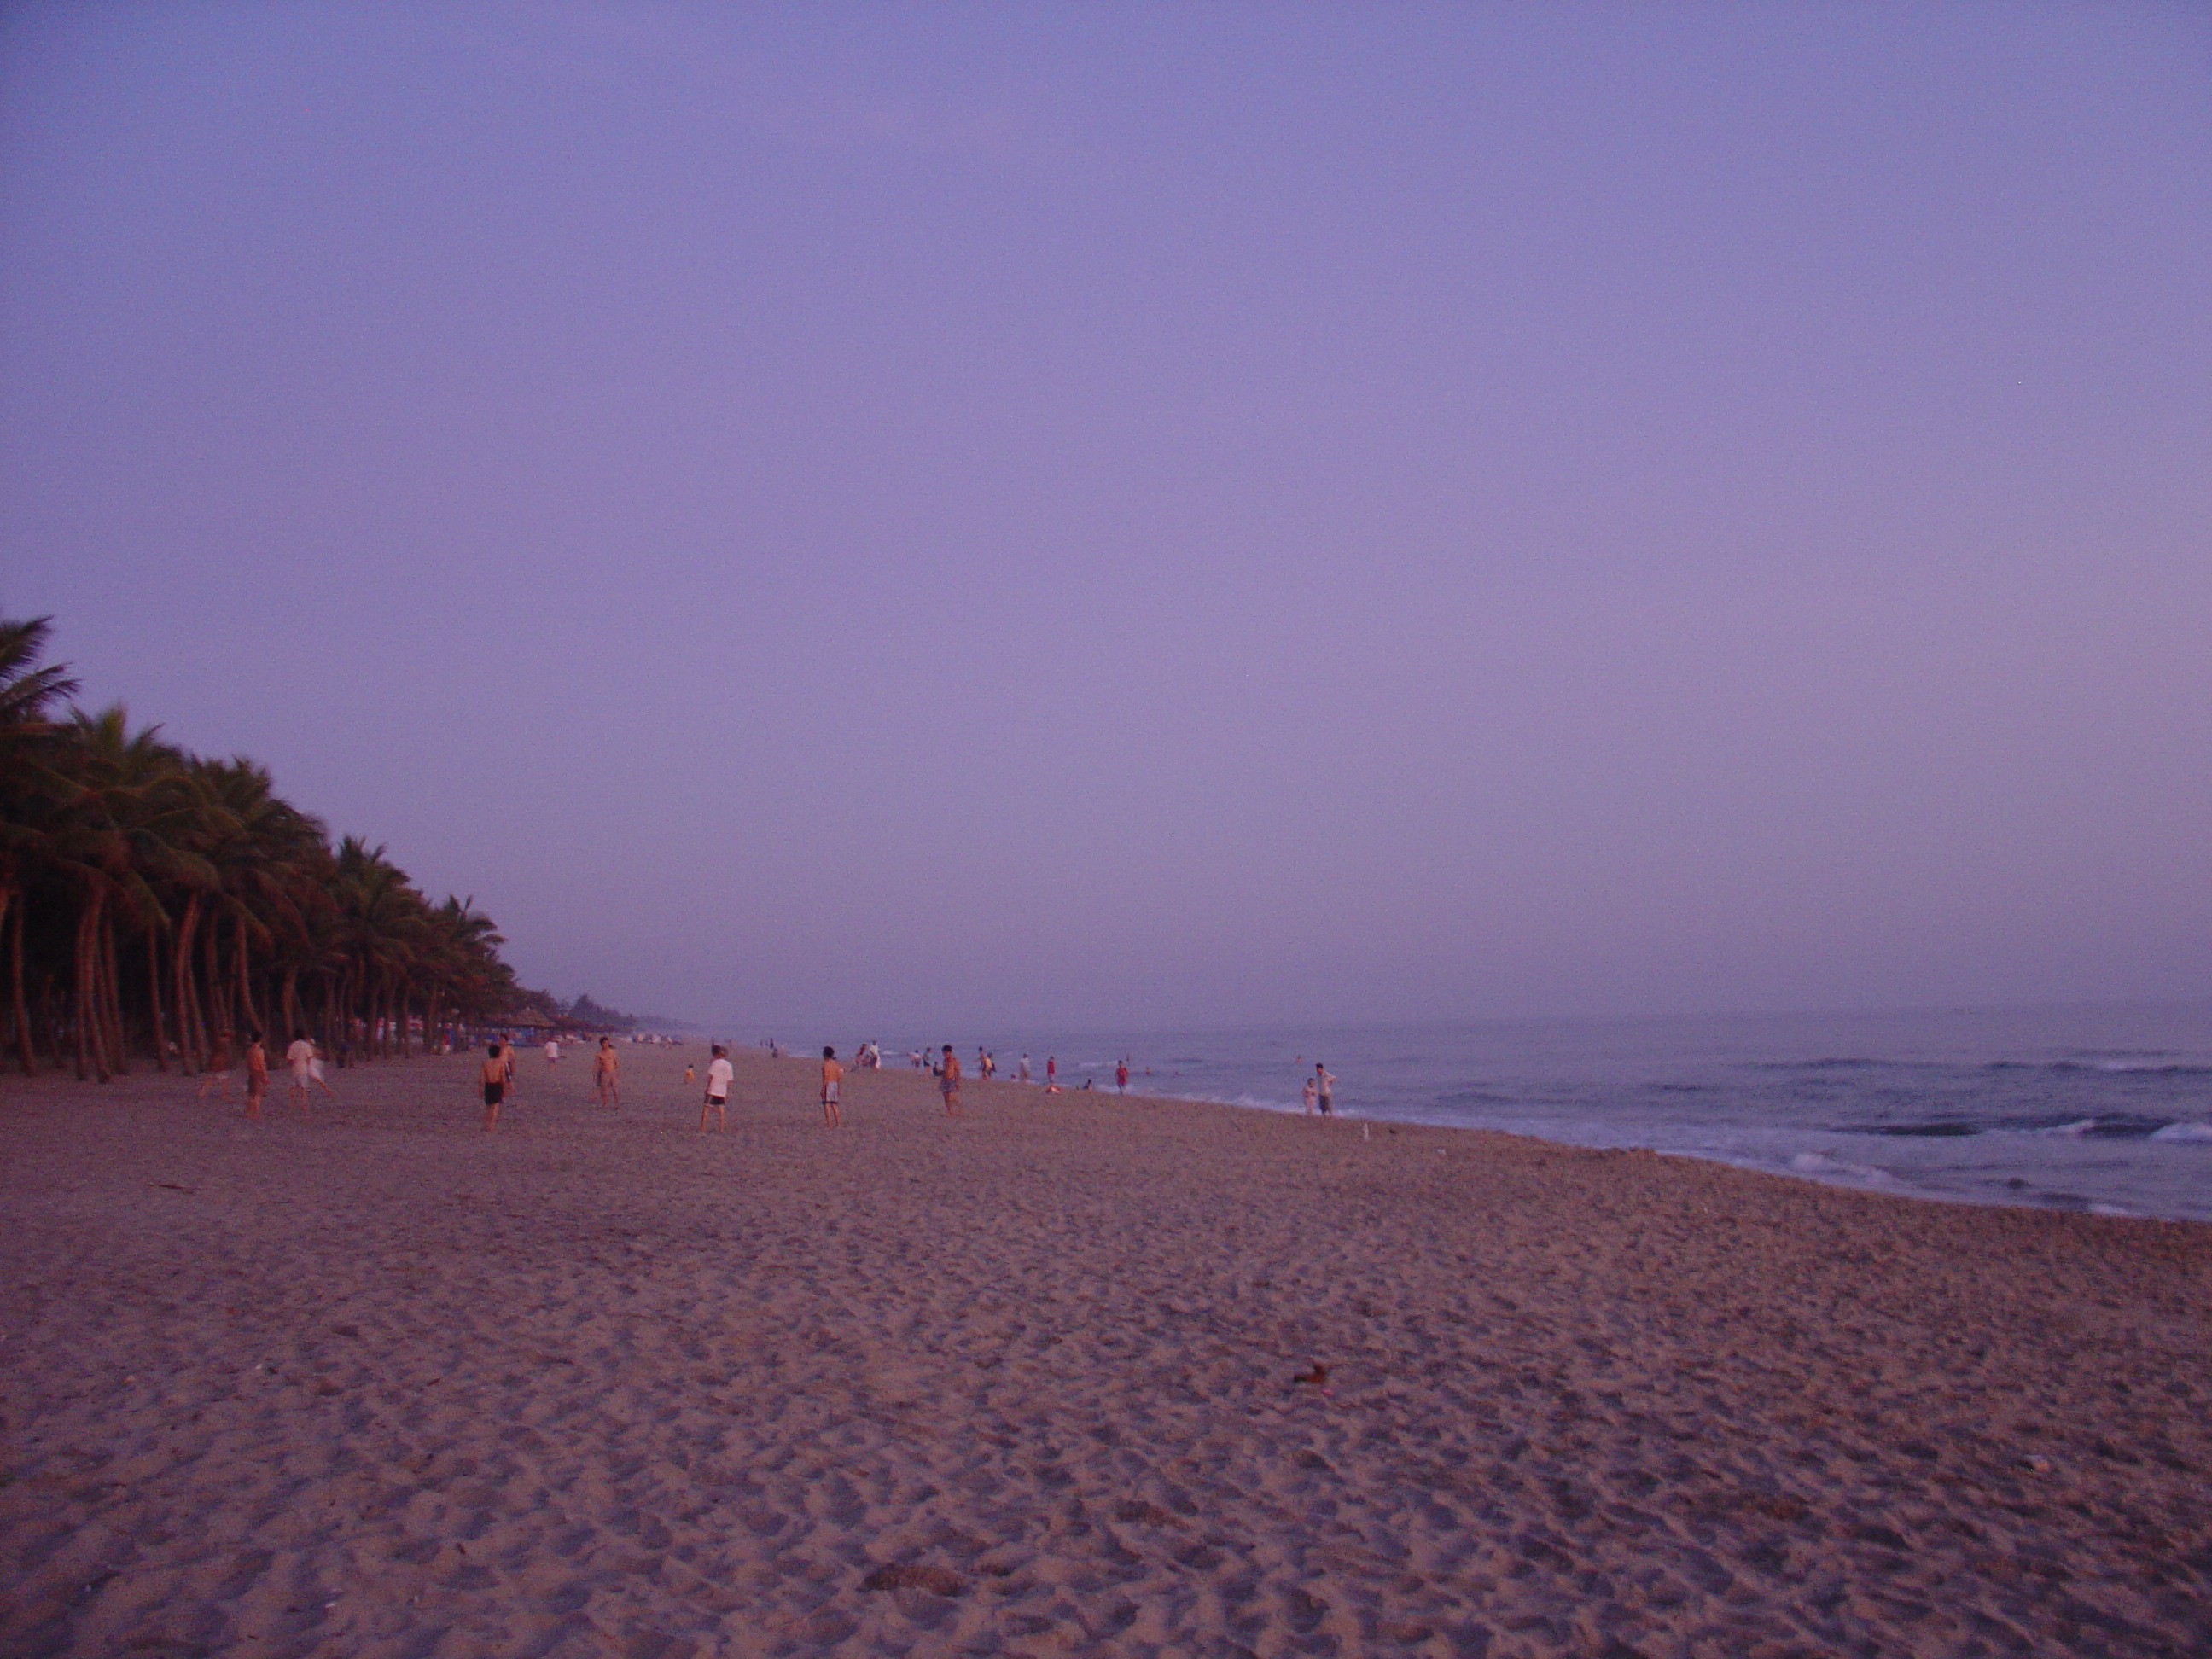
{"x":303,"y":1058}
{"x":496,"y":1075}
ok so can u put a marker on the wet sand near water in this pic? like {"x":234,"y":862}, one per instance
{"x":370,"y":1381}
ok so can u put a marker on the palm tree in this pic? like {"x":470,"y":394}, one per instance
{"x":28,"y":694}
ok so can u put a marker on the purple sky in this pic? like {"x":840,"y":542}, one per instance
{"x":1157,"y":514}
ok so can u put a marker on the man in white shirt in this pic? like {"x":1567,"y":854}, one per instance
{"x":300,"y":1056}
{"x":719,"y":1073}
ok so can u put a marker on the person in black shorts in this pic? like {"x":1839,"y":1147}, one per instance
{"x":495,"y":1083}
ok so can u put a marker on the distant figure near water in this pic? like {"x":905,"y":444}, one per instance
{"x":1306,"y":1097}
{"x":948,"y":1082}
{"x":1122,"y":1076}
{"x":833,"y":1074}
{"x":605,"y":1065}
{"x":1323,"y":1081}
{"x":1023,"y":1075}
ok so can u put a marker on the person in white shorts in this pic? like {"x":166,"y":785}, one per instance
{"x":833,"y":1074}
{"x":300,"y":1056}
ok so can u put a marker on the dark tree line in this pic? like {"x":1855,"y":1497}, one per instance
{"x":153,"y":900}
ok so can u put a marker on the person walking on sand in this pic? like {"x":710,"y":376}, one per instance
{"x":256,"y":1075}
{"x":506,"y":1060}
{"x":315,"y":1070}
{"x":552,"y":1051}
{"x":719,"y":1073}
{"x":605,"y":1066}
{"x":218,"y":1068}
{"x":832,"y":1075}
{"x":1122,"y":1076}
{"x":948,"y":1082}
{"x":493,"y":1076}
{"x":1323,"y":1081}
{"x":1306,"y":1097}
{"x":297,"y":1058}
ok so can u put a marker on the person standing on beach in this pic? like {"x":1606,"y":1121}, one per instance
{"x":1323,"y":1081}
{"x":297,"y":1058}
{"x":315,"y":1070}
{"x":1122,"y":1076}
{"x":256,"y":1075}
{"x":948,"y":1082}
{"x":604,"y":1068}
{"x":218,"y":1067}
{"x":1306,"y":1097}
{"x":1052,"y":1074}
{"x":493,"y":1076}
{"x":833,"y":1074}
{"x":1023,"y":1074}
{"x":719,"y":1073}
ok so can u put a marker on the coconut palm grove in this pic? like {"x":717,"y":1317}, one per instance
{"x":156,"y":905}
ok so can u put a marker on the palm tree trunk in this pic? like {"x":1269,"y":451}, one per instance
{"x":154,"y":1000}
{"x":188,"y":1035}
{"x":15,"y":982}
{"x":86,"y":990}
{"x":111,"y":998}
{"x":246,"y":1009}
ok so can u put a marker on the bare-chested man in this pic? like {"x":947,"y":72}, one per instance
{"x":494,"y":1079}
{"x":604,"y":1065}
{"x":833,"y":1075}
{"x":256,"y":1075}
{"x":948,"y":1082}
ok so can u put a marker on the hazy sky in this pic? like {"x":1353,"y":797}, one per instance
{"x":1137,"y":514}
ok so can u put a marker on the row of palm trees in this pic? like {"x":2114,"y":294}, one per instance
{"x":156,"y":904}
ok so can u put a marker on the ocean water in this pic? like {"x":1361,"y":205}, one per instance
{"x":2105,"y":1108}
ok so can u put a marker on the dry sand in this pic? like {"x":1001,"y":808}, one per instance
{"x":377,"y":1383}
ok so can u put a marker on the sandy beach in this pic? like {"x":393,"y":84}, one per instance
{"x":371,"y":1381}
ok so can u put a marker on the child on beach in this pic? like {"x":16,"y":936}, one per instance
{"x":948,"y":1082}
{"x":1306,"y":1097}
{"x":605,"y":1067}
{"x":719,"y":1073}
{"x":832,"y":1075}
{"x":494,"y":1078}
{"x":256,"y":1075}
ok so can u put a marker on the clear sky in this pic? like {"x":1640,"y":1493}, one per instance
{"x":1141,"y":514}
